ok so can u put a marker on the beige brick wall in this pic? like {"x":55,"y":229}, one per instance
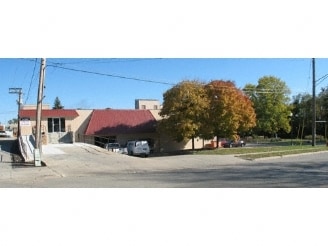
{"x":167,"y":144}
{"x":147,"y":104}
{"x":33,"y":106}
{"x":77,"y":125}
{"x":80,"y":124}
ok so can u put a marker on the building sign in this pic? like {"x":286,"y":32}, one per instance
{"x":25,"y":122}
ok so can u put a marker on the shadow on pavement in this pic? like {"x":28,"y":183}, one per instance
{"x":26,"y":164}
{"x":10,"y":146}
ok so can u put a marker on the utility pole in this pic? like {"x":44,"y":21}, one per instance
{"x":313,"y":104}
{"x":37,"y":150}
{"x":19,"y":102}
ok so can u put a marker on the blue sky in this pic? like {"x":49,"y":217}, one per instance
{"x":146,"y":78}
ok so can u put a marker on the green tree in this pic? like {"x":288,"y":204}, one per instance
{"x":57,"y":104}
{"x":322,"y":112}
{"x":302,"y":115}
{"x":271,"y":102}
{"x":230,"y":111}
{"x":183,"y":110}
{"x":13,"y":121}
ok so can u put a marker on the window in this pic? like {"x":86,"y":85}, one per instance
{"x":143,"y":106}
{"x":155,"y":107}
{"x":56,"y":124}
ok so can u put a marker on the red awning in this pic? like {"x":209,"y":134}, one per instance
{"x":49,"y":113}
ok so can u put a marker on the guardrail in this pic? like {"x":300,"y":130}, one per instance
{"x":26,"y":146}
{"x":22,"y":148}
{"x":29,"y":140}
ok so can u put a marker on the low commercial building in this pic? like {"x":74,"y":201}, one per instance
{"x":100,"y":127}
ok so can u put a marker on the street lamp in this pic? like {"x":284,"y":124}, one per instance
{"x":19,"y":102}
{"x":291,"y":128}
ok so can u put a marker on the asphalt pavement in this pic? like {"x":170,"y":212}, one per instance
{"x":82,"y":165}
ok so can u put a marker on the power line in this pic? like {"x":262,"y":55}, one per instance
{"x":110,"y":75}
{"x":104,"y":60}
{"x":264,"y":91}
{"x":29,"y":89}
{"x":320,"y":80}
{"x":309,"y":77}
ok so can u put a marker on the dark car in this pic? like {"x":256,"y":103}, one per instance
{"x":231,"y":144}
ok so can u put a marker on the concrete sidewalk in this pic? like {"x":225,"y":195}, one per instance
{"x":70,"y":161}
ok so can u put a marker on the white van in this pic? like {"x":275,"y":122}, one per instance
{"x":138,"y":147}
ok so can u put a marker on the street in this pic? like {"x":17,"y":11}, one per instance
{"x":87,"y":166}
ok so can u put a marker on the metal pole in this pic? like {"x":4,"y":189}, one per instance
{"x":291,"y":128}
{"x":18,"y":116}
{"x":19,"y":92}
{"x":313,"y":104}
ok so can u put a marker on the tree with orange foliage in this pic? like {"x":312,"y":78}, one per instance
{"x":230,"y":111}
{"x":183,"y":110}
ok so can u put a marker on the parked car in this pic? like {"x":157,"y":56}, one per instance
{"x":232,"y":143}
{"x":114,"y":147}
{"x":4,"y":134}
{"x":138,"y":147}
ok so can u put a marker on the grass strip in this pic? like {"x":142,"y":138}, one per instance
{"x":279,"y":153}
{"x":264,"y":151}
